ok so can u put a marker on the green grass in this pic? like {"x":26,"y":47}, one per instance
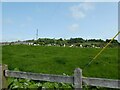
{"x":0,"y":54}
{"x":59,"y":60}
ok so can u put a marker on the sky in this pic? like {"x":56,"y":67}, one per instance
{"x":0,"y":21}
{"x":87,"y":20}
{"x":60,"y":0}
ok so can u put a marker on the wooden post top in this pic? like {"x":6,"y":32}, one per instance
{"x":78,"y":79}
{"x":3,"y":65}
{"x":78,"y":70}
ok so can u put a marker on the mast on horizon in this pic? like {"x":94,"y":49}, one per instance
{"x":37,"y":34}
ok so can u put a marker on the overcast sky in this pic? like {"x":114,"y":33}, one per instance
{"x":59,"y":20}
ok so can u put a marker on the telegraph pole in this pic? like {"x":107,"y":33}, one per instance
{"x":37,"y":34}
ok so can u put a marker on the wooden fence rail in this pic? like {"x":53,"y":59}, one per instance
{"x":102,"y":82}
{"x":76,"y":79}
{"x":37,"y":76}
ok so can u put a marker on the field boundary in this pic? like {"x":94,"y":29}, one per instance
{"x":77,"y":79}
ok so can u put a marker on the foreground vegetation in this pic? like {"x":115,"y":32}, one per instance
{"x":58,"y":60}
{"x":37,"y":85}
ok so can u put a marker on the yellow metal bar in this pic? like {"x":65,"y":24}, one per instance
{"x":102,"y":50}
{"x":106,"y":45}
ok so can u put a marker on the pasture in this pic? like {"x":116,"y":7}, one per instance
{"x":0,"y":54}
{"x":59,"y":60}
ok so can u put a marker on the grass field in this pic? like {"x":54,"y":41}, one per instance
{"x":59,"y":60}
{"x":0,"y":54}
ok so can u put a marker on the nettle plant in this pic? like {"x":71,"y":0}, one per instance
{"x":27,"y":84}
{"x":15,"y":83}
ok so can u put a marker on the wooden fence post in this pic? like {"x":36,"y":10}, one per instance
{"x":78,"y":79}
{"x":3,"y":79}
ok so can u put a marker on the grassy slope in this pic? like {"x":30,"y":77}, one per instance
{"x":59,"y":60}
{"x":0,"y":54}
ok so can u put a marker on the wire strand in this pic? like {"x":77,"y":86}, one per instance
{"x":102,"y":50}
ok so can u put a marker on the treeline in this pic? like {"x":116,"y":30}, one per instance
{"x":74,"y":42}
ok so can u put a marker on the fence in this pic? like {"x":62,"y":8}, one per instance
{"x":76,"y":79}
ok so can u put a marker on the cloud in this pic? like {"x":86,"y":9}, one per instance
{"x":74,"y":27}
{"x":23,"y":25}
{"x":29,"y":18}
{"x":79,"y":11}
{"x":27,"y":21}
{"x":8,"y":21}
{"x":60,"y":1}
